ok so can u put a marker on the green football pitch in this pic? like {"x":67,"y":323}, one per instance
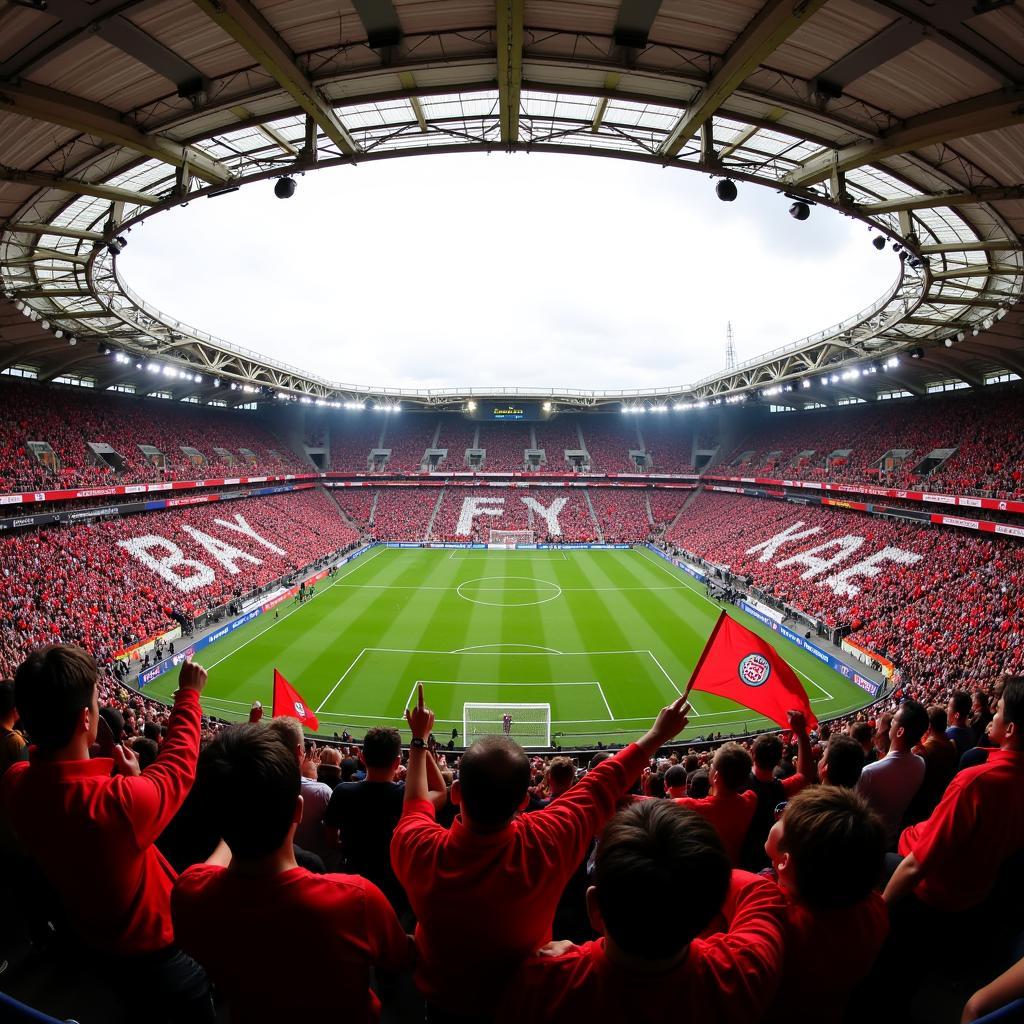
{"x":605,"y":637}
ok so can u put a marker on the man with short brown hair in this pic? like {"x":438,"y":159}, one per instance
{"x":90,"y":824}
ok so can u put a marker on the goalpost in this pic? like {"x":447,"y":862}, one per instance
{"x":528,"y":724}
{"x":509,"y":538}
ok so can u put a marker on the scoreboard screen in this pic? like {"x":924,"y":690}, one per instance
{"x":510,"y":410}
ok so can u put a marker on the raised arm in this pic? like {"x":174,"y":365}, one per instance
{"x":580,"y":813}
{"x":423,"y":780}
{"x":804,"y":757}
{"x":152,"y":798}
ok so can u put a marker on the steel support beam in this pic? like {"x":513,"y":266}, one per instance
{"x":989,"y":112}
{"x":771,"y":27}
{"x":42,"y":255}
{"x":990,"y":245}
{"x":49,"y":229}
{"x":247,"y":27}
{"x":54,"y":107}
{"x":52,"y":293}
{"x":409,"y":83}
{"x":272,"y":134}
{"x":931,"y":202}
{"x":985,"y":271}
{"x":893,"y":40}
{"x":81,"y":188}
{"x":509,"y":41}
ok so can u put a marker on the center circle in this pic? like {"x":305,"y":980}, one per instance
{"x":496,"y":596}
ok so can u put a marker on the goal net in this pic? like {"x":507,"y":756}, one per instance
{"x":528,"y":724}
{"x":509,"y":538}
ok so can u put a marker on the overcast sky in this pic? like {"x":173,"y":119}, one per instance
{"x":518,"y":270}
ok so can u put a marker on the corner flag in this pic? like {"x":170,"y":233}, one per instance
{"x":287,"y":701}
{"x":736,"y":663}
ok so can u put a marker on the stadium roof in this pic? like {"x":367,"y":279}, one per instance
{"x":906,"y":114}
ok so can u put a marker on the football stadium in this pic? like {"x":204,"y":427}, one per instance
{"x":538,"y":588}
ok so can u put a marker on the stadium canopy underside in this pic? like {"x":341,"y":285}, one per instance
{"x":907,"y":115}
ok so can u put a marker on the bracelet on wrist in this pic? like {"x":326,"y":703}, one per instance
{"x":417,"y":743}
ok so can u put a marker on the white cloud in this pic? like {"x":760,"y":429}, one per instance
{"x":523,"y":270}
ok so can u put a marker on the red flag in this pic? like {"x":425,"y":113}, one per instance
{"x":287,"y":701}
{"x":736,"y":663}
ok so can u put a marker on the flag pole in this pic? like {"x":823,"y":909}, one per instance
{"x":704,"y":653}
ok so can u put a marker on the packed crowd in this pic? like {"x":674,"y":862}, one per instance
{"x":985,"y":431}
{"x":408,"y":437}
{"x":556,"y":437}
{"x":512,"y":513}
{"x":68,"y":421}
{"x":352,"y":439}
{"x":954,"y":614}
{"x":821,"y":868}
{"x":609,"y":440}
{"x":403,"y":513}
{"x":622,"y":513}
{"x":79,"y":584}
{"x":505,"y":444}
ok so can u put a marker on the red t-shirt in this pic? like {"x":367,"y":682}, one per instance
{"x":484,"y":902}
{"x":726,"y":977}
{"x":828,"y":952}
{"x":92,"y":834}
{"x":289,"y":944}
{"x":730,"y":813}
{"x":977,"y":825}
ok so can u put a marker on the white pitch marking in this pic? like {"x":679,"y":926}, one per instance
{"x":481,"y":647}
{"x":600,"y":690}
{"x":361,"y":562}
{"x":339,"y":682}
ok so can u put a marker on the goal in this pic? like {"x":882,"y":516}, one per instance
{"x":509,"y":538}
{"x":530,"y":723}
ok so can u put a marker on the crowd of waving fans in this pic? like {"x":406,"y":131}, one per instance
{"x":198,"y":870}
{"x":78,"y":584}
{"x":956,"y":613}
{"x":27,"y":414}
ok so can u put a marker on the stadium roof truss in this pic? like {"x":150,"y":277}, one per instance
{"x":904,"y":114}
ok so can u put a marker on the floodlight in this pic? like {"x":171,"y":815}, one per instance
{"x":284,"y":188}
{"x":916,"y":353}
{"x":726,"y":190}
{"x":878,"y":242}
{"x":800,"y":210}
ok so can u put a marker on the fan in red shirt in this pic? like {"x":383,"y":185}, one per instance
{"x":489,"y":886}
{"x":92,"y":832}
{"x":250,"y":908}
{"x":828,"y":852}
{"x":662,"y":875}
{"x":729,"y":810}
{"x":952,"y":860}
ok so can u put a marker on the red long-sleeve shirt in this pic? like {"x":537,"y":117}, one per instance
{"x":92,"y":834}
{"x":726,"y":977}
{"x":292,"y":945}
{"x":485,"y":902}
{"x":977,"y":825}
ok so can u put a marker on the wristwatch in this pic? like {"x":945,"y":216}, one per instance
{"x":417,"y":742}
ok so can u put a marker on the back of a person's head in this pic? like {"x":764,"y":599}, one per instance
{"x":845,"y":760}
{"x":862,"y":732}
{"x":914,"y":720}
{"x":675,"y":777}
{"x":381,"y":747}
{"x":349,"y":766}
{"x":732,"y":763}
{"x":698,"y":785}
{"x":288,"y":731}
{"x":960,"y":703}
{"x":597,"y":759}
{"x":250,"y":777}
{"x":115,"y":722}
{"x":1012,"y":697}
{"x":146,"y":751}
{"x":330,"y":756}
{"x":836,"y":843}
{"x":51,"y":687}
{"x":6,"y":697}
{"x":937,"y":719}
{"x":767,"y":751}
{"x":493,"y":779}
{"x":562,"y":771}
{"x":691,"y":763}
{"x":151,"y":730}
{"x":661,"y":875}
